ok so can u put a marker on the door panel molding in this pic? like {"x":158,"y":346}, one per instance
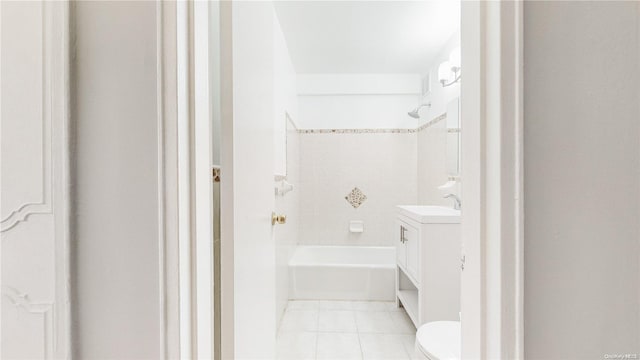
{"x":44,"y":310}
{"x":31,"y":198}
{"x":34,"y":255}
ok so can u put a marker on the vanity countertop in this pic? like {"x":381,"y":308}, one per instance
{"x":429,"y":214}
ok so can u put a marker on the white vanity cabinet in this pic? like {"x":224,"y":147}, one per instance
{"x":428,"y":248}
{"x":407,"y":248}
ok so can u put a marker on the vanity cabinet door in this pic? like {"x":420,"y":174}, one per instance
{"x":401,"y":249}
{"x":412,"y":248}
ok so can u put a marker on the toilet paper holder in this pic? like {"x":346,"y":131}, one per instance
{"x":356,"y":226}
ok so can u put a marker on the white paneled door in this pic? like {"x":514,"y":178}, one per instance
{"x":252,"y":134}
{"x":34,"y":176}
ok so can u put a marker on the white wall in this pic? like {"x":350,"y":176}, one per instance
{"x":379,"y":101}
{"x":432,"y":141}
{"x":383,"y":166}
{"x":332,"y":164}
{"x":357,"y":101}
{"x":440,"y":96}
{"x":582,"y":179}
{"x":115,"y":278}
{"x":353,"y":84}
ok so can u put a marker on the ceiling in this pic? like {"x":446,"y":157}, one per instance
{"x":366,"y":36}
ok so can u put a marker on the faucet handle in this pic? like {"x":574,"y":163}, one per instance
{"x":456,"y":200}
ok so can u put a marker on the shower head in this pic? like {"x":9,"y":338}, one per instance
{"x":415,"y":113}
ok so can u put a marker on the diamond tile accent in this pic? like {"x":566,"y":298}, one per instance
{"x":356,"y":197}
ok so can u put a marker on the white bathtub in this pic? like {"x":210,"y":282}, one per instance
{"x":342,"y":273}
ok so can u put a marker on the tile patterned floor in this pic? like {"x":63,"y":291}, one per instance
{"x":345,"y":330}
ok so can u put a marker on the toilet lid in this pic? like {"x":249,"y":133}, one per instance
{"x":440,"y":340}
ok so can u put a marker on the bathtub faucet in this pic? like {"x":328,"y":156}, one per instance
{"x":456,"y":201}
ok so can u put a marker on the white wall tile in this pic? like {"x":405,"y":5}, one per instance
{"x":432,"y":168}
{"x":382,"y":165}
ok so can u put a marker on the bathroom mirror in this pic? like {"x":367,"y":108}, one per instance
{"x":453,"y":137}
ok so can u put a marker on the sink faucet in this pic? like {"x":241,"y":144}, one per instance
{"x":456,"y":200}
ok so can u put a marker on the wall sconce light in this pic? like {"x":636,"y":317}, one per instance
{"x":450,"y":69}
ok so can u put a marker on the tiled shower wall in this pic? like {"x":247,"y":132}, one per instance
{"x":382,"y":165}
{"x":432,"y":166}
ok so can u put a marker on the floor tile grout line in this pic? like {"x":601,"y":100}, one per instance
{"x":389,"y":311}
{"x":409,"y":356}
{"x":317,"y":332}
{"x":355,"y":319}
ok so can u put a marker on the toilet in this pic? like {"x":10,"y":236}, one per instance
{"x":439,"y":340}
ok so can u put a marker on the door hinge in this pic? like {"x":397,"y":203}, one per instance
{"x":215,"y":173}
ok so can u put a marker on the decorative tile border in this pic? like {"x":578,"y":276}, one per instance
{"x":374,"y":131}
{"x":431,"y":122}
{"x":356,"y":131}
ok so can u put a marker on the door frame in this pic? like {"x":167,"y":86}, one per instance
{"x":492,"y":185}
{"x":171,"y":228}
{"x":186,"y":323}
{"x":492,"y":167}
